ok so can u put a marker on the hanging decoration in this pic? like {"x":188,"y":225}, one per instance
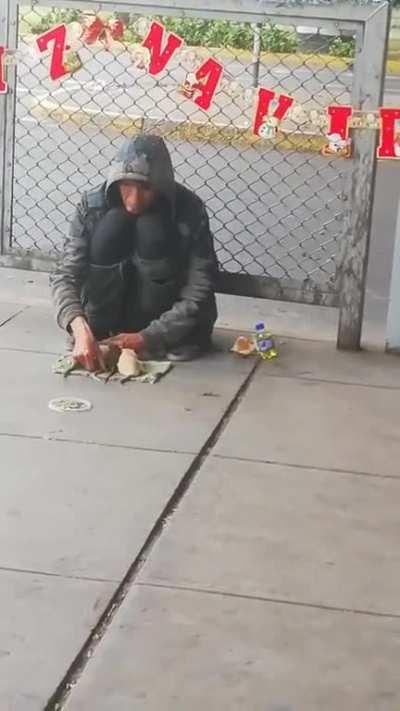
{"x":339,"y":143}
{"x":389,"y":146}
{"x":204,"y":80}
{"x":3,"y":83}
{"x":104,"y":32}
{"x":397,"y":139}
{"x":158,"y":49}
{"x":271,"y":109}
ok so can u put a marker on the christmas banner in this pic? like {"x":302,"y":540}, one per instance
{"x":201,"y":86}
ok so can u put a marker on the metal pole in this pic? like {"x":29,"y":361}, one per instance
{"x":367,"y":95}
{"x":256,"y":54}
{"x":3,"y":41}
{"x":393,"y":318}
{"x":8,"y":37}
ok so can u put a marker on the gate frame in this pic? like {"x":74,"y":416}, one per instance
{"x":371,"y":26}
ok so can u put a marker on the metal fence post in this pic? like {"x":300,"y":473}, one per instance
{"x":256,"y":54}
{"x":8,"y":38}
{"x":3,"y":41}
{"x":393,"y":319}
{"x":367,"y":95}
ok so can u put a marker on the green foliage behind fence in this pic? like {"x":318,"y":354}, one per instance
{"x":342,"y":47}
{"x":222,"y":33}
{"x":195,"y":32}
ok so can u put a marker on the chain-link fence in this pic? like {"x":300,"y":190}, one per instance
{"x":276,"y":206}
{"x":393,"y":63}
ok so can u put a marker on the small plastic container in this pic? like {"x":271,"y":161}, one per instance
{"x":265,"y":343}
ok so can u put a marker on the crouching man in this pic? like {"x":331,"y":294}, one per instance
{"x":138,"y":269}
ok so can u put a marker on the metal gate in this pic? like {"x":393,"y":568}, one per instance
{"x":288,"y":223}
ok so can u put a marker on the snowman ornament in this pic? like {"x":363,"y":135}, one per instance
{"x":337,"y":146}
{"x":270,"y":124}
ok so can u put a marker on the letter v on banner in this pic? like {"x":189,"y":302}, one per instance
{"x":3,"y":83}
{"x":159,"y":57}
{"x":265,"y":97}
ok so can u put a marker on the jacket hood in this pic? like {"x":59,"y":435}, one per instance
{"x":144,"y":157}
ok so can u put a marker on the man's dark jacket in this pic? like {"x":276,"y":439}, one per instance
{"x":173,"y":299}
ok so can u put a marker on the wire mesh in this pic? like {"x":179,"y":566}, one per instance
{"x":276,"y":207}
{"x":393,"y":63}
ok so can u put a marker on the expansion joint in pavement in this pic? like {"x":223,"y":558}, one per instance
{"x":328,"y":381}
{"x":93,"y":443}
{"x":311,"y":467}
{"x":63,"y":576}
{"x":77,"y":668}
{"x":273,"y":600}
{"x":11,"y":318}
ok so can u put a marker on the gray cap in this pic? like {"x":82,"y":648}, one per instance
{"x":145,"y":157}
{"x":135,"y":168}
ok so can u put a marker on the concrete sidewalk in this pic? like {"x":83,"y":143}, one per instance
{"x":225,"y":539}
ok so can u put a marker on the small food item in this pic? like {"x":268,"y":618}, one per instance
{"x":128,"y":364}
{"x":110,"y":355}
{"x":244,"y":346}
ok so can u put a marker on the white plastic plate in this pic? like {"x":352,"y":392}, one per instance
{"x":70,"y":404}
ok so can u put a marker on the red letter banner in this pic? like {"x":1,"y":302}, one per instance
{"x":212,"y":72}
{"x":389,"y":146}
{"x":58,"y":34}
{"x":339,"y":120}
{"x":265,"y":97}
{"x":153,"y":42}
{"x":3,"y":83}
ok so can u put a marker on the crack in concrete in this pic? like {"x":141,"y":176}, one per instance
{"x":326,"y":381}
{"x":63,"y":576}
{"x":13,"y":316}
{"x":292,"y":465}
{"x":274,"y":600}
{"x":77,"y":667}
{"x":50,"y":438}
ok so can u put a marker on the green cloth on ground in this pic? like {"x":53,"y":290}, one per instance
{"x":153,"y":371}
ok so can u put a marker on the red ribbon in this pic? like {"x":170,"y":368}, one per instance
{"x":103,"y":31}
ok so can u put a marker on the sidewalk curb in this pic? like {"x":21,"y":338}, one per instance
{"x":298,"y":59}
{"x":292,"y":60}
{"x":186,"y":130}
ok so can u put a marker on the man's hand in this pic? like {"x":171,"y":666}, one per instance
{"x":127,"y":340}
{"x":86,"y":350}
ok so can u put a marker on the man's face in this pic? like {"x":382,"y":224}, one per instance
{"x":137,"y":196}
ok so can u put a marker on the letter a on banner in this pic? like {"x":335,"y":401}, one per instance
{"x":3,"y":83}
{"x":58,"y":35}
{"x":211,"y":71}
{"x":389,"y":146}
{"x":159,"y":57}
{"x":270,"y":111}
